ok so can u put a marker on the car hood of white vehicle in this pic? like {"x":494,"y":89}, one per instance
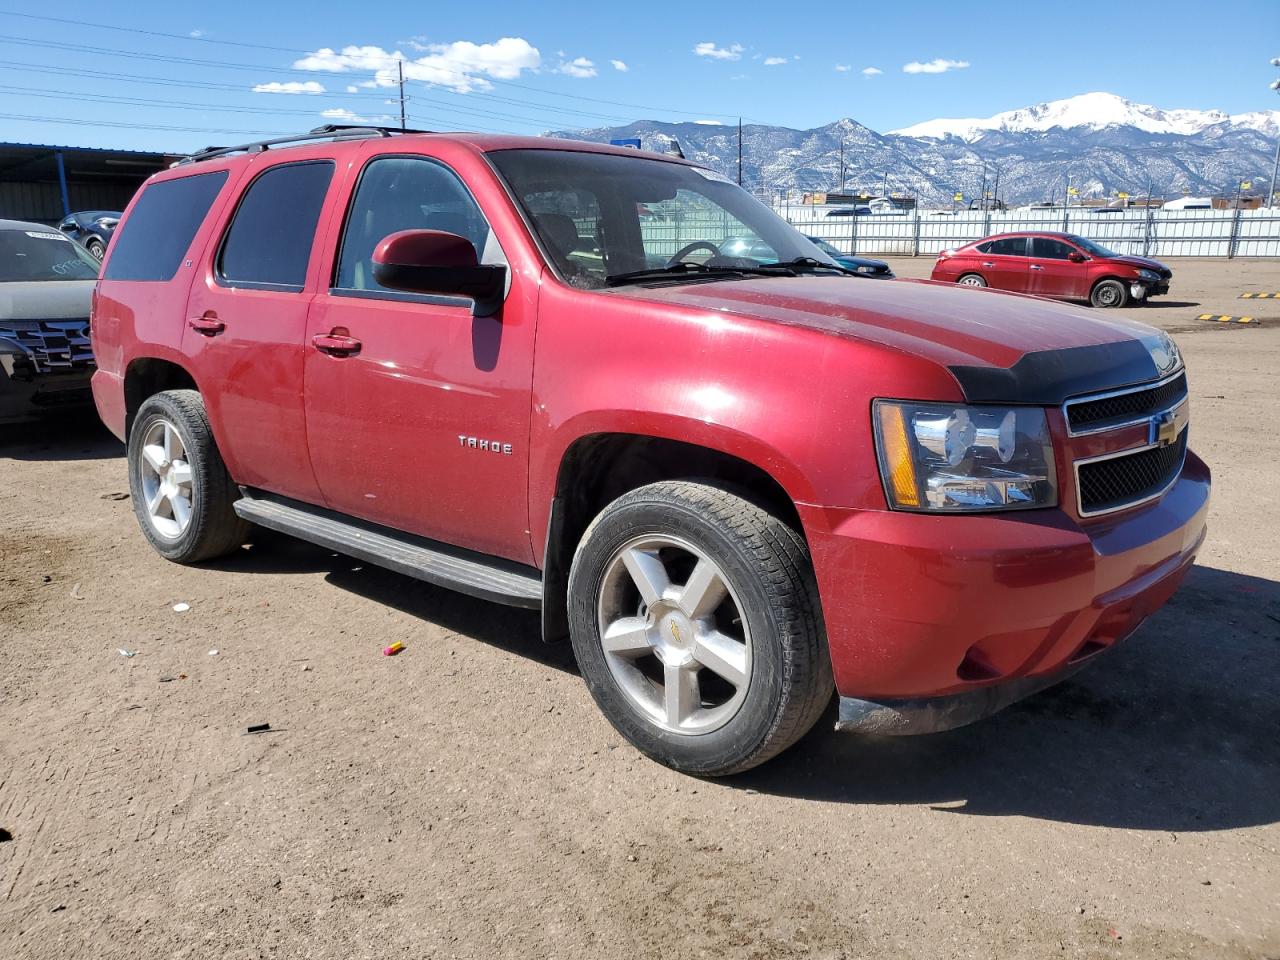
{"x":45,"y":299}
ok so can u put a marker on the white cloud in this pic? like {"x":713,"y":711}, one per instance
{"x":461,"y":66}
{"x":843,"y":68}
{"x":871,"y":71}
{"x":341,"y":114}
{"x":738,"y":76}
{"x":709,"y":49}
{"x":774,"y":61}
{"x":619,"y":66}
{"x":580,"y":67}
{"x":196,"y":34}
{"x":293,"y":86}
{"x":709,"y":123}
{"x":352,"y":88}
{"x":934,"y":66}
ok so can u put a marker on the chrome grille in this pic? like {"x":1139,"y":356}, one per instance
{"x":1110,"y":410}
{"x":52,"y":345}
{"x":1129,"y":478}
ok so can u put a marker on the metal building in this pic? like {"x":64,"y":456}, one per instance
{"x":45,"y":183}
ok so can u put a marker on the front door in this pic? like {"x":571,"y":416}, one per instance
{"x":417,"y":413}
{"x":1052,"y":273}
{"x":246,"y":317}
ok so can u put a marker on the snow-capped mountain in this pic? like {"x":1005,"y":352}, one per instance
{"x":1092,"y":111}
{"x":1101,"y":142}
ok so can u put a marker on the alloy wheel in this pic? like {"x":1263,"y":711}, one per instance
{"x":167,"y":484}
{"x":673,"y":635}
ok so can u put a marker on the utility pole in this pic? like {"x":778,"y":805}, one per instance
{"x":995,"y":191}
{"x":400,"y":69}
{"x":983,"y":192}
{"x":739,"y":151}
{"x":842,"y":166}
{"x":1275,"y":166}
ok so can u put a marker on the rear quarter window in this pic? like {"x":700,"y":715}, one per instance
{"x":152,"y":243}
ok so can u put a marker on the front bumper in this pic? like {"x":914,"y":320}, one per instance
{"x":988,"y":607}
{"x":26,"y":395}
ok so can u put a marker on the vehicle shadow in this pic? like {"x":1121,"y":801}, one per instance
{"x":1173,"y":303}
{"x":66,"y":437}
{"x":508,"y":628}
{"x":1179,"y":730}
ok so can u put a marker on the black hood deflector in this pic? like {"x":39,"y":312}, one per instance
{"x":1048,"y":378}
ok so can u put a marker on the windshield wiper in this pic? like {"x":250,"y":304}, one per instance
{"x":807,"y":265}
{"x":688,"y":268}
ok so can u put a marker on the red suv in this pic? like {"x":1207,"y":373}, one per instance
{"x":524,"y":369}
{"x":1059,"y":265}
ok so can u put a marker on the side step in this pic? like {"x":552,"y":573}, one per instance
{"x":445,"y":566}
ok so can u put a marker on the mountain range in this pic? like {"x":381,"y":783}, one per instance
{"x":1102,"y":142}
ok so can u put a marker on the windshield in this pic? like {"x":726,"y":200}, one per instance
{"x":602,"y":216}
{"x":1095,"y":249}
{"x":43,"y":255}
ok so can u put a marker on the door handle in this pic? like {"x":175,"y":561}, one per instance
{"x":1036,"y":266}
{"x":987,"y":263}
{"x":209,"y":325}
{"x":336,"y":344}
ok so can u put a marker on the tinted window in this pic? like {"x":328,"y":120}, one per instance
{"x":1050,"y":249}
{"x":1008,"y":247}
{"x":406,"y":193}
{"x":161,"y":226}
{"x":269,"y":241}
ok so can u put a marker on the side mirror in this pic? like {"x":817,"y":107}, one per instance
{"x":1076,"y":257}
{"x":435,"y":262}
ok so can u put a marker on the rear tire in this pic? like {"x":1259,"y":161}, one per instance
{"x":182,"y":494}
{"x":972,"y":280}
{"x":96,"y":248}
{"x":1108,"y":294}
{"x":695,"y":621}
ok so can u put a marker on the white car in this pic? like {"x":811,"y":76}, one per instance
{"x":46,"y":360}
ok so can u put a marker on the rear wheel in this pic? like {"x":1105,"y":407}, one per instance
{"x":1109,"y":293}
{"x":96,"y":247}
{"x":695,"y":622}
{"x":972,"y":280}
{"x":182,"y":494}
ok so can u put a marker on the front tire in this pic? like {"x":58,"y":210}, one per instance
{"x":971,"y":280}
{"x":181,"y":491}
{"x":696,"y":625}
{"x":1108,"y":294}
{"x":97,"y":248}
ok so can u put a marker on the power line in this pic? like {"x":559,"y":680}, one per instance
{"x":215,"y":64}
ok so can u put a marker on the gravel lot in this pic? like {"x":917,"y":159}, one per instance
{"x":465,"y":799}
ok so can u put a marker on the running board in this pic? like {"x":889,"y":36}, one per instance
{"x":436,"y":563}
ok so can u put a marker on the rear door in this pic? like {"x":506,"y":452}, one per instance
{"x":246,"y":317}
{"x":1052,"y":274}
{"x":1004,"y":264}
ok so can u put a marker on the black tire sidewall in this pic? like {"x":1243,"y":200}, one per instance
{"x":1121,"y":298}
{"x":982,"y":281}
{"x":96,"y":248}
{"x":751,"y":725}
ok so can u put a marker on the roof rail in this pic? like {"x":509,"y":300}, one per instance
{"x":329,"y":131}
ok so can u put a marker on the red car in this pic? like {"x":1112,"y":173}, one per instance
{"x":1059,"y":265}
{"x":739,"y":486}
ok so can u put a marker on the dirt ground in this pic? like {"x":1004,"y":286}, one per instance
{"x":465,"y":799}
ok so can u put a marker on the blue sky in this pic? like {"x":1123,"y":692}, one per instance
{"x":525,"y":67}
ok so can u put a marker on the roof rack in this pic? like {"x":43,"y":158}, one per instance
{"x":329,"y":131}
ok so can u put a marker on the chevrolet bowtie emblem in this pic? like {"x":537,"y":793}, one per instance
{"x":1164,"y":429}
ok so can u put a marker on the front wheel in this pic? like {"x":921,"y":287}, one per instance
{"x":182,"y":494}
{"x":1109,"y":293}
{"x":695,"y":621}
{"x":96,"y":247}
{"x":972,"y":280}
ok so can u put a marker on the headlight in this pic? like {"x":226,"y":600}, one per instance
{"x":1150,"y":275}
{"x":866,"y":268}
{"x":948,"y":458}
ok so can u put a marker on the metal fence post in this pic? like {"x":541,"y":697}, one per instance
{"x":915,"y":238}
{"x":1235,"y":232}
{"x":1146,"y":232}
{"x":853,"y":235}
{"x":986,"y":224}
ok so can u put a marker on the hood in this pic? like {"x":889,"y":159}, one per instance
{"x":1143,"y":263}
{"x":1000,"y":347}
{"x":45,"y":299}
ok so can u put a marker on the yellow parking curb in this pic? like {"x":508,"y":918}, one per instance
{"x":1259,"y":296}
{"x":1222,"y":318}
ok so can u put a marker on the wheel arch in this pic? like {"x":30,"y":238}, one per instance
{"x":597,"y":468}
{"x":147,"y":376}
